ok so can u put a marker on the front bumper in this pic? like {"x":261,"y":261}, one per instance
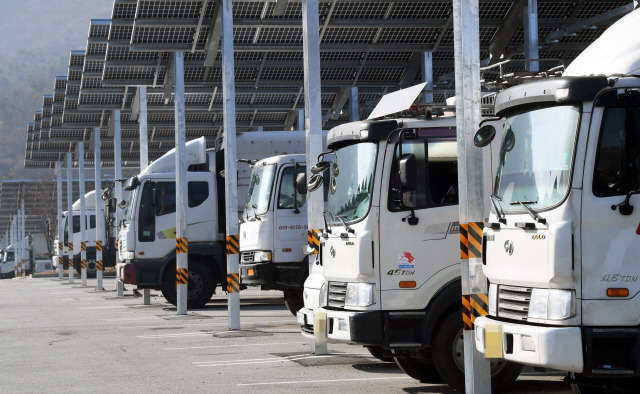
{"x":549,"y":347}
{"x":127,"y":273}
{"x":305,"y":319}
{"x":258,"y":274}
{"x":364,"y":328}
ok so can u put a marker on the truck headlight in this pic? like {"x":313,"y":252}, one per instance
{"x":261,"y":256}
{"x":551,"y":304}
{"x":359,"y":294}
{"x":322,"y":297}
{"x":493,"y":299}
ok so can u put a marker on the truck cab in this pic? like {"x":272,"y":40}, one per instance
{"x":273,"y":228}
{"x":562,"y":242}
{"x":390,"y":253}
{"x":7,"y":263}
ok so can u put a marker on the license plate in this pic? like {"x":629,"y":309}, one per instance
{"x":301,"y":318}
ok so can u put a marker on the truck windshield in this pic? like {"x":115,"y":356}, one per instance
{"x":128,"y":207}
{"x":351,"y":182}
{"x":259,"y":194}
{"x":536,"y":156}
{"x":8,"y":256}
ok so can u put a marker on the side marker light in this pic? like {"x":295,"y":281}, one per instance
{"x":407,"y":284}
{"x":613,"y":292}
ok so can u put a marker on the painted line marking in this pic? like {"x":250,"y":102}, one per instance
{"x":247,"y":345}
{"x":132,"y":318}
{"x":105,"y":307}
{"x":269,"y":360}
{"x":185,"y":334}
{"x":323,"y":381}
{"x":175,"y":322}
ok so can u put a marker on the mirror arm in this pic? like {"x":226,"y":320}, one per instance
{"x":295,"y":189}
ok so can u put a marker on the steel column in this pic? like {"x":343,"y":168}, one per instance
{"x":230,"y":180}
{"x":144,"y":135}
{"x":99,"y":204}
{"x":69,"y":243}
{"x":24,"y":252}
{"x":83,"y":212}
{"x":426,"y":62}
{"x":117,"y":159}
{"x":470,"y":169}
{"x":300,"y":119}
{"x":60,"y":226}
{"x":13,"y":245}
{"x":18,"y":247}
{"x":182,"y":259}
{"x":313,"y":121}
{"x":530,"y":24}
{"x":353,"y":105}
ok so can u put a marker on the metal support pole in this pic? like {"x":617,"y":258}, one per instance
{"x":58,"y":246}
{"x":83,"y":212}
{"x":470,"y":176}
{"x":353,"y":104}
{"x":144,"y":136}
{"x":117,"y":153}
{"x":182,"y":257}
{"x":426,"y":61}
{"x":70,"y":218}
{"x":313,"y":127}
{"x":18,"y":247}
{"x":301,"y":119}
{"x":25,"y":251}
{"x":13,"y":245}
{"x":530,"y":24}
{"x":99,"y":204}
{"x":230,"y":180}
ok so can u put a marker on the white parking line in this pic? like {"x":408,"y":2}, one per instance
{"x":265,"y":360}
{"x":132,"y":318}
{"x":324,"y":381}
{"x":225,"y":346}
{"x":184,"y":334}
{"x":176,"y":322}
{"x":105,"y":307}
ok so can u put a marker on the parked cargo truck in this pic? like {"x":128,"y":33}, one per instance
{"x":147,"y":233}
{"x":562,"y":246}
{"x":390,"y":254}
{"x":273,"y":228}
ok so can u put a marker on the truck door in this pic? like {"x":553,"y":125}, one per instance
{"x":415,"y":253}
{"x":290,"y":217}
{"x":610,"y":239}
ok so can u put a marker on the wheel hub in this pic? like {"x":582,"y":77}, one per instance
{"x":496,"y":364}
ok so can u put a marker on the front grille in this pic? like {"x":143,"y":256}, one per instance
{"x":337,"y":292}
{"x":247,"y":257}
{"x":513,"y":302}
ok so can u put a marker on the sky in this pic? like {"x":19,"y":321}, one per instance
{"x":36,"y":38}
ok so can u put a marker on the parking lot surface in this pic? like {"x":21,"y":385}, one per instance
{"x":61,"y":337}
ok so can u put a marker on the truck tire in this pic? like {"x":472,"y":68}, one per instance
{"x":91,"y":268}
{"x":377,"y":352}
{"x":200,"y":288}
{"x":293,"y":301}
{"x":448,"y":356}
{"x":419,"y":369}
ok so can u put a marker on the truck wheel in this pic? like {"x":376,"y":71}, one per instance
{"x":448,"y":355}
{"x":91,"y":268}
{"x":200,"y":288}
{"x":419,"y":369}
{"x":293,"y":301}
{"x":377,"y":352}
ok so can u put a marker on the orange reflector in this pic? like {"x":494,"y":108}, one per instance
{"x":250,"y":271}
{"x":407,"y":284}
{"x":617,"y":292}
{"x":287,"y":250}
{"x":141,"y":253}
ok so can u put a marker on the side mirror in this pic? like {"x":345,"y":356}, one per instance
{"x":509,"y":140}
{"x":484,"y":136}
{"x":320,"y":167}
{"x":315,"y":182}
{"x":132,"y":183}
{"x":408,"y":168}
{"x":47,"y":222}
{"x":122,"y":204}
{"x":301,"y":183}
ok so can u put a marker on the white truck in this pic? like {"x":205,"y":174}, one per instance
{"x":7,"y":261}
{"x":562,"y":245}
{"x":273,"y":228}
{"x":390,"y":256}
{"x":108,"y":249}
{"x":147,"y":233}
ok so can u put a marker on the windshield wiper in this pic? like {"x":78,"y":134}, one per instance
{"x":499,"y":211}
{"x":530,"y":211}
{"x":346,"y":226}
